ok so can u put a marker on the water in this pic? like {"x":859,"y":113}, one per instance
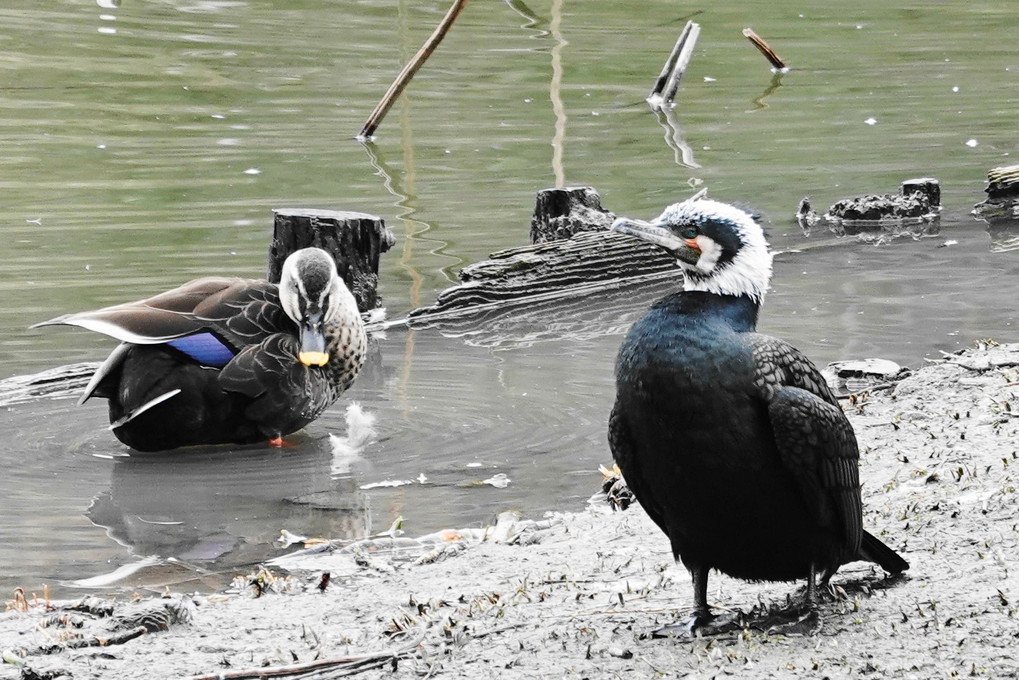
{"x":145,"y":143}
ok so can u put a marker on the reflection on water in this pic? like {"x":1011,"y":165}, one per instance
{"x":138,"y":159}
{"x":221,"y":509}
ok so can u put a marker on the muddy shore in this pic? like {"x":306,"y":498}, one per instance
{"x":576,"y":595}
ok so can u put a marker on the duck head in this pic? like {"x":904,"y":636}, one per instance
{"x":315,"y":297}
{"x":720,"y":248}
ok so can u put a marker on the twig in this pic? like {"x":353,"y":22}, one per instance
{"x":118,"y":639}
{"x":768,"y":53}
{"x":675,"y":66}
{"x":409,"y":70}
{"x":343,"y":663}
{"x":503,"y":629}
{"x":876,"y":388}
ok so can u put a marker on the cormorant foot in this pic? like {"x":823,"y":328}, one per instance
{"x":700,"y":625}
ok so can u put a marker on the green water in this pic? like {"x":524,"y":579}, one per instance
{"x":144,"y":144}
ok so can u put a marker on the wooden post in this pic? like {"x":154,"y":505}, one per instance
{"x":355,"y":240}
{"x":665,"y":87}
{"x":561,"y":213}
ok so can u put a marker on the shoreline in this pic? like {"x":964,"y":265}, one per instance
{"x":577,"y":594}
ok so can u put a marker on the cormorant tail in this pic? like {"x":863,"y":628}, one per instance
{"x":873,"y":550}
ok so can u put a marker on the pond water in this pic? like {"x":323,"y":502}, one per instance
{"x":143,"y":143}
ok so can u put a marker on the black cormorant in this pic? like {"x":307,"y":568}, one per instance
{"x":731,"y":440}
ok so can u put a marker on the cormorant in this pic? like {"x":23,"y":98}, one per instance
{"x":731,"y":440}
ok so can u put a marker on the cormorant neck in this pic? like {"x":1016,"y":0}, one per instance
{"x":738,"y":311}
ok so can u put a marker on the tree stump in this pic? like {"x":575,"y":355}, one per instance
{"x":561,"y":213}
{"x":355,"y":240}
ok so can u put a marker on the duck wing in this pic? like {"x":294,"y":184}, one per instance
{"x":238,"y":312}
{"x":815,"y":440}
{"x":285,"y":394}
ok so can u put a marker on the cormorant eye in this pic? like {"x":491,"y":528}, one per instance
{"x":688,"y":232}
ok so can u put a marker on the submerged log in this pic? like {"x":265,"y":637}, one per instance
{"x":355,"y":240}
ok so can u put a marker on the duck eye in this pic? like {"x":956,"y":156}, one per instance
{"x":688,"y":232}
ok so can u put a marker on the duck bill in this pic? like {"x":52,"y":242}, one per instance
{"x":313,"y":347}
{"x":683,"y":249}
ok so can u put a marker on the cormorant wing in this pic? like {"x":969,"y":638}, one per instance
{"x":620,"y":441}
{"x":815,"y":440}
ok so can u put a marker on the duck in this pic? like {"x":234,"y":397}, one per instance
{"x":227,"y":360}
{"x":731,"y":440}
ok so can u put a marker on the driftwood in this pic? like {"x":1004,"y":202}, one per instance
{"x":355,"y":240}
{"x":368,"y":131}
{"x":330,"y":668}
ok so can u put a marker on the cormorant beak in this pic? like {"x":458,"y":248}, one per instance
{"x":313,"y":343}
{"x":685,"y":249}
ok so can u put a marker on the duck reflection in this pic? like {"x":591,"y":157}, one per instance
{"x":221,"y":508}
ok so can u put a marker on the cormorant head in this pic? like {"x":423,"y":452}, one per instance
{"x":720,"y":248}
{"x":315,"y":297}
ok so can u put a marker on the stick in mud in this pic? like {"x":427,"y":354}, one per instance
{"x":409,"y":70}
{"x":768,"y":53}
{"x":675,"y":66}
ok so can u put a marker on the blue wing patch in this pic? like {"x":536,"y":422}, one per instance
{"x":205,"y":348}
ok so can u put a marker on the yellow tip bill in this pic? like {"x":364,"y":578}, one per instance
{"x":313,"y":358}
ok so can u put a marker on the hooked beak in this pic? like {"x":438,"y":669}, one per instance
{"x":313,"y":344}
{"x":685,"y":249}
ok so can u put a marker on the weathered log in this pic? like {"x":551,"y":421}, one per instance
{"x":548,"y":269}
{"x":355,"y":240}
{"x":561,"y":213}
